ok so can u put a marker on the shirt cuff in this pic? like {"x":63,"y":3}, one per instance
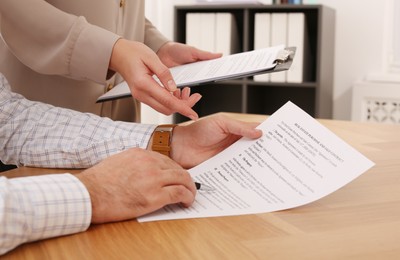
{"x":58,"y":204}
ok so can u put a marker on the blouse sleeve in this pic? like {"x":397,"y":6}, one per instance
{"x":51,"y":41}
{"x":153,"y":38}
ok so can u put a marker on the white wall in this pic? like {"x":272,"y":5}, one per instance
{"x":359,"y":41}
{"x":359,"y":47}
{"x":161,"y":13}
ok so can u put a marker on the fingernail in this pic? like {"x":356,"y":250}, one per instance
{"x":194,"y":117}
{"x":171,"y":85}
{"x":198,"y":98}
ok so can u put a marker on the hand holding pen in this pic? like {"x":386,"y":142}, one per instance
{"x":203,"y":187}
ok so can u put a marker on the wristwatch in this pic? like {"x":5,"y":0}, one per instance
{"x":162,"y":138}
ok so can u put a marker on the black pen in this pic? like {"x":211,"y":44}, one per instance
{"x":203,"y":187}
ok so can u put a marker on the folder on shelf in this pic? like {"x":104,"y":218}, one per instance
{"x":214,"y":32}
{"x":239,"y":65}
{"x":226,"y":35}
{"x":278,"y":36}
{"x":262,"y":38}
{"x":295,"y":35}
{"x":204,"y":31}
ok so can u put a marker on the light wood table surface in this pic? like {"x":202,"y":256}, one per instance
{"x":359,"y":221}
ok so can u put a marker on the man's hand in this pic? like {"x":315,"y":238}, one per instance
{"x":135,"y":182}
{"x":196,"y":142}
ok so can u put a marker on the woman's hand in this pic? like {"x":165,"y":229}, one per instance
{"x":137,"y":64}
{"x":173,"y":54}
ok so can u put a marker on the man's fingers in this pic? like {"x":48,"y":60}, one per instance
{"x":178,"y":194}
{"x":242,"y":128}
{"x":177,"y":177}
{"x":177,"y":187}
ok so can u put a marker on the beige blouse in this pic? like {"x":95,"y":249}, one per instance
{"x":58,"y":51}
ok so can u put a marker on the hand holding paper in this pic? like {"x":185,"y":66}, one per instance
{"x":227,"y":67}
{"x":295,"y":162}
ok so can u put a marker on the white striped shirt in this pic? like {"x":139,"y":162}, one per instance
{"x":41,"y":135}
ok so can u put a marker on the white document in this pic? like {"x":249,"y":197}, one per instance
{"x":295,"y":162}
{"x":227,"y":67}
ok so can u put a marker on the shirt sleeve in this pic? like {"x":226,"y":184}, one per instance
{"x":37,"y":134}
{"x":39,"y":207}
{"x":50,"y":41}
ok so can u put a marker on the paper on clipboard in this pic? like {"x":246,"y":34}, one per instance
{"x":233,"y":66}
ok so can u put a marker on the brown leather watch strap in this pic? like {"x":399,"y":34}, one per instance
{"x":162,"y":137}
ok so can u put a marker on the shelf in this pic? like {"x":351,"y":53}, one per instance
{"x":313,"y":94}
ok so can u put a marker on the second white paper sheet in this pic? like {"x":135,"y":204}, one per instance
{"x":295,"y":162}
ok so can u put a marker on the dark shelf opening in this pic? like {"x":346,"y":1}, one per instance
{"x":215,"y":98}
{"x":266,"y":100}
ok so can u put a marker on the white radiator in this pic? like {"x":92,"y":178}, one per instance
{"x":377,"y":102}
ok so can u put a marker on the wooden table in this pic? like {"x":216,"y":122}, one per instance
{"x":359,"y":221}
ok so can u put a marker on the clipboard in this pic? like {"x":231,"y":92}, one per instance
{"x":206,"y":72}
